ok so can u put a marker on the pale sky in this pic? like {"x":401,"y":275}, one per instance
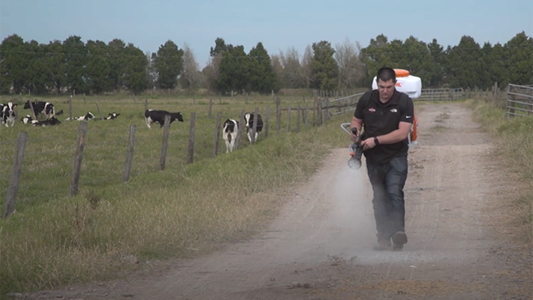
{"x":277,"y":24}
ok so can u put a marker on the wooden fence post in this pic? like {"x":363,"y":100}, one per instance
{"x":510,"y":104}
{"x":298,"y":119}
{"x":326,"y":111}
{"x":319,"y":112}
{"x":164,"y":142}
{"x":129,"y":154}
{"x":69,"y":108}
{"x":266,"y":121}
{"x":190,"y":155}
{"x":289,"y":118}
{"x":210,"y":108}
{"x":217,"y":134}
{"x":242,"y":128}
{"x":32,"y":110}
{"x":278,"y":116}
{"x":15,"y":174}
{"x":78,"y":157}
{"x":306,"y":115}
{"x":99,"y":112}
{"x":145,"y":104}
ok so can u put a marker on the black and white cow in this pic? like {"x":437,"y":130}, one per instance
{"x":249,"y":119}
{"x":26,"y":119}
{"x":41,"y":107}
{"x":230,"y":130}
{"x":112,"y":116}
{"x":8,"y":114}
{"x":88,"y":116}
{"x":50,"y":122}
{"x":158,"y":116}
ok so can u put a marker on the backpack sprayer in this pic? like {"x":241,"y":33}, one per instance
{"x":356,"y":150}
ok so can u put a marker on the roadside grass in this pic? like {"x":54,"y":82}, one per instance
{"x":182,"y":211}
{"x":514,"y":141}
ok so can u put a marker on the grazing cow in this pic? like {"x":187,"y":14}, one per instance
{"x":112,"y":116}
{"x":158,"y":116}
{"x":26,"y":119}
{"x":41,"y":107}
{"x":250,"y":120}
{"x":230,"y":130}
{"x":88,"y":116}
{"x":50,"y":122}
{"x":8,"y":114}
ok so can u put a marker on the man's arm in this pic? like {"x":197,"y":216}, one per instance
{"x":397,"y":135}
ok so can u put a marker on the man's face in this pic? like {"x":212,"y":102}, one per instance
{"x":385,"y":89}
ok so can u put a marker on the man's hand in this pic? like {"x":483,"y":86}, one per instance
{"x":354,"y":137}
{"x":368,"y":143}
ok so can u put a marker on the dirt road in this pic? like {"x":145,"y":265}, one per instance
{"x":320,"y":247}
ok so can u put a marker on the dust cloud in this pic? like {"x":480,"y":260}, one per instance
{"x":352,"y":214}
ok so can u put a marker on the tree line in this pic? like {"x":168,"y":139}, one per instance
{"x":95,"y":67}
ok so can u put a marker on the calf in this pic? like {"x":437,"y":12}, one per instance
{"x":50,"y":122}
{"x":230,"y":130}
{"x":88,"y":116}
{"x":158,"y":116}
{"x":8,"y":114}
{"x":26,"y":120}
{"x":112,"y":116}
{"x":249,"y":119}
{"x":41,"y":107}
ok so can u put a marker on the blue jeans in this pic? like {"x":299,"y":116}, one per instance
{"x":387,"y":182}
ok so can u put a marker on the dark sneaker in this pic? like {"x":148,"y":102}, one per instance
{"x":383,"y":244}
{"x":399,"y":239}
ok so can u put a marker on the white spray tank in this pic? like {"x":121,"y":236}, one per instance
{"x":405,"y":82}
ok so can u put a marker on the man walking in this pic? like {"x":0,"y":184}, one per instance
{"x":386,"y":116}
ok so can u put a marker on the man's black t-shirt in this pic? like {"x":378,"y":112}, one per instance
{"x":382,"y":118}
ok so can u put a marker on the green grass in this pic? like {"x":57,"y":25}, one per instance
{"x":514,"y":141}
{"x":181,"y":211}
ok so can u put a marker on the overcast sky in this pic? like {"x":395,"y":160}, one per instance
{"x":277,"y":24}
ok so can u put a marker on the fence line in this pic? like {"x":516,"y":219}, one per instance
{"x":322,"y":110}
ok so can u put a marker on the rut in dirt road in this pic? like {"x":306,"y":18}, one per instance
{"x":320,"y":247}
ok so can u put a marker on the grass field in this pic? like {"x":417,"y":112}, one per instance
{"x":183,"y":210}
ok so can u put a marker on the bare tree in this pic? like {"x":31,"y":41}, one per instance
{"x":350,"y":67}
{"x":307,"y":68}
{"x":278,"y":69}
{"x":150,"y":69}
{"x":211,"y":72}
{"x":292,"y":77}
{"x":190,"y":77}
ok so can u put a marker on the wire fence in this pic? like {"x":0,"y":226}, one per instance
{"x":58,"y":165}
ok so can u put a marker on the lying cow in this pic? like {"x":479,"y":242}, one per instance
{"x":88,"y":116}
{"x":230,"y":130}
{"x":41,"y":107}
{"x":26,"y":119}
{"x":112,"y":116}
{"x":158,"y":116}
{"x":8,"y":114}
{"x":50,"y":122}
{"x":249,"y":120}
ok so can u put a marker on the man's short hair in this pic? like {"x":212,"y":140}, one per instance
{"x":386,"y":74}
